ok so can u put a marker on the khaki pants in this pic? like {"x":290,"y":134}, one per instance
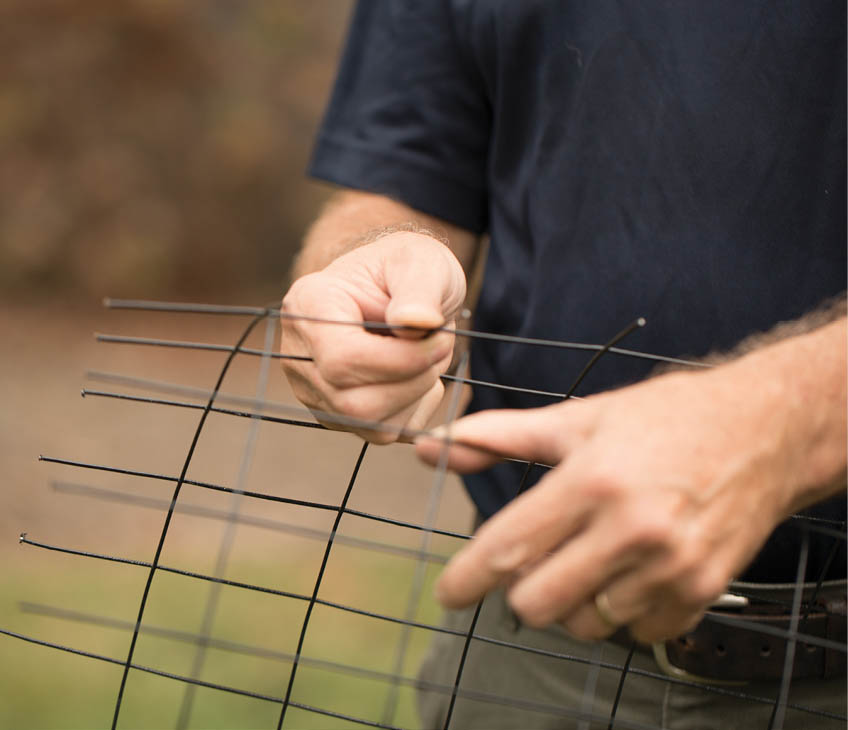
{"x":514,"y":683}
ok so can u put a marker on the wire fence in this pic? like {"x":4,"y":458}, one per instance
{"x":802,"y":633}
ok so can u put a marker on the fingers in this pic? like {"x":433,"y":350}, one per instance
{"x":425,"y":286}
{"x":534,"y":523}
{"x":536,"y":435}
{"x":567,"y":579}
{"x":391,"y":377}
{"x":409,"y":419}
{"x":346,"y":359}
{"x":424,"y":410}
{"x":517,"y":541}
{"x":655,"y":501}
{"x":374,"y":403}
{"x":346,"y":355}
{"x":652,"y":622}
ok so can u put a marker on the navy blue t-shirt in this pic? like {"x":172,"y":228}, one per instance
{"x":682,"y":161}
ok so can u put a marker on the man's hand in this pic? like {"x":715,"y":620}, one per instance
{"x":660,"y":493}
{"x":391,"y":377}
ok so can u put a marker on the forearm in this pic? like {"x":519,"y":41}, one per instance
{"x":353,"y":218}
{"x":803,"y":378}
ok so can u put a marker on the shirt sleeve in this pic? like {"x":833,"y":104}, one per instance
{"x":408,"y":116}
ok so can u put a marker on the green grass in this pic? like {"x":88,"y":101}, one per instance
{"x":48,"y":689}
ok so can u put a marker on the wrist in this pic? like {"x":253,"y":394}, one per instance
{"x":801,"y":383}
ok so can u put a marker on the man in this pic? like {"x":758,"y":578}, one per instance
{"x":684,"y":162}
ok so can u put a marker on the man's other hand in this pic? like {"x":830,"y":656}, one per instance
{"x":660,"y":493}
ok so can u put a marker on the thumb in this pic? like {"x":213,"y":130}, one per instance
{"x":426,"y":287}
{"x":482,"y":439}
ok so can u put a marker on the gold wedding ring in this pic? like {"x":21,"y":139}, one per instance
{"x":607,"y":615}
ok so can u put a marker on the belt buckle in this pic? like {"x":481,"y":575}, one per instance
{"x":725,"y":600}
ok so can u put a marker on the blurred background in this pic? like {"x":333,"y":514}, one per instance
{"x":156,"y":149}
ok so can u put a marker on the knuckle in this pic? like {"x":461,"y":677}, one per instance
{"x":289,"y":369}
{"x":336,"y":369}
{"x":353,"y":404}
{"x":602,"y":486}
{"x":651,"y":530}
{"x":292,"y":300}
{"x":705,"y":586}
{"x":531,"y":611}
{"x":305,"y":395}
{"x":302,"y":388}
{"x":378,"y":438}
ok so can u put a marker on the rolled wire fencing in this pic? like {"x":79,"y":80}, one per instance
{"x":420,"y":556}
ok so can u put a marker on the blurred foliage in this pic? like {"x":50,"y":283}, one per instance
{"x":157,"y":147}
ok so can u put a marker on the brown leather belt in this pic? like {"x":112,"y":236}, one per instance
{"x":718,"y":650}
{"x":723,"y":647}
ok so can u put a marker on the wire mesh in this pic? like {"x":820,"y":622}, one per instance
{"x":365,"y":533}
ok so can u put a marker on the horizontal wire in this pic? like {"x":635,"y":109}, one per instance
{"x":512,"y":388}
{"x":197,"y":682}
{"x":275,"y":406}
{"x":185,"y":307}
{"x":253,"y":495}
{"x":137,"y":500}
{"x":191,"y":345}
{"x":85,"y":392}
{"x":24,"y":539}
{"x":152,"y":306}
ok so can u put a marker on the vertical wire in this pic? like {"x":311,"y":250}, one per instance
{"x":828,"y":561}
{"x":620,"y":688}
{"x":462,"y":658}
{"x":636,"y":324}
{"x":424,"y":547}
{"x":587,"y":702}
{"x":473,"y":625}
{"x":779,"y":712}
{"x":319,"y":578}
{"x":229,"y":533}
{"x":588,"y":699}
{"x":155,"y":562}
